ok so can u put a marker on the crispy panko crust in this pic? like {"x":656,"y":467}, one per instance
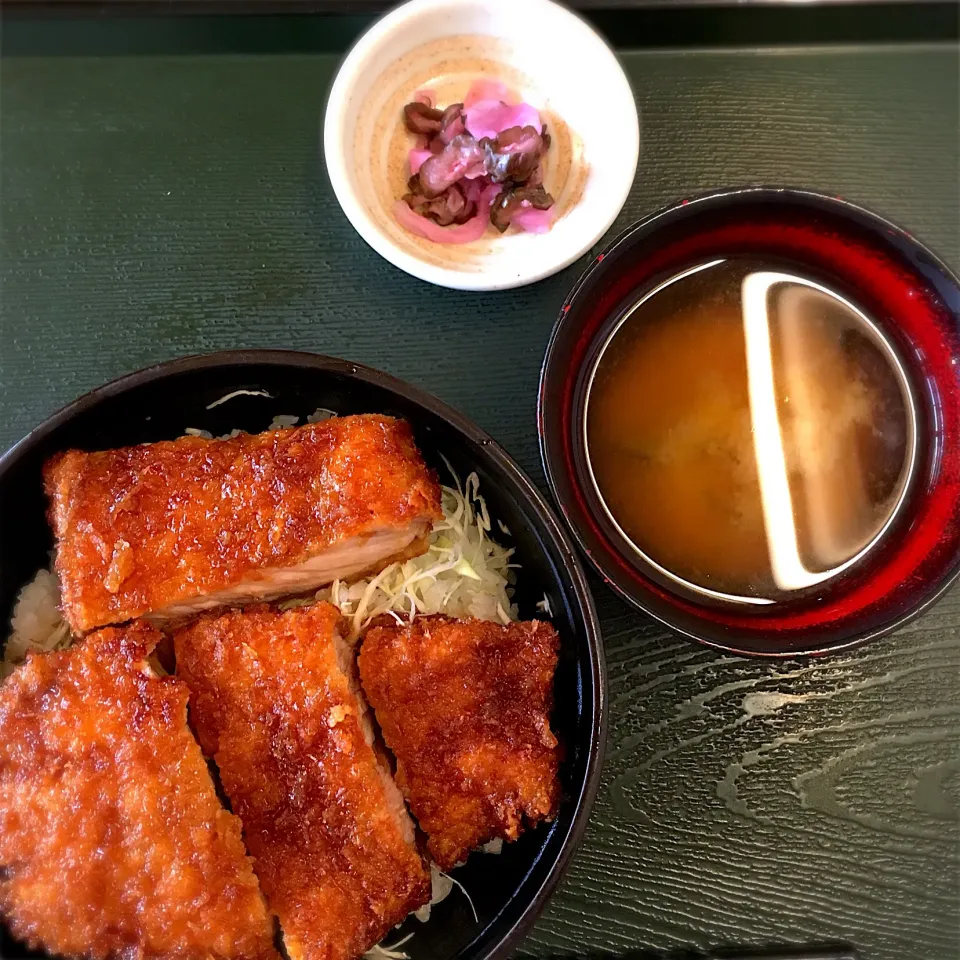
{"x":141,"y":529}
{"x":332,"y":840}
{"x":112,"y":840}
{"x":465,"y":705}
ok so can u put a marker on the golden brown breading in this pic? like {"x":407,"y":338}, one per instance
{"x":464,"y":705}
{"x":112,"y":839}
{"x":171,"y":528}
{"x":333,"y":843}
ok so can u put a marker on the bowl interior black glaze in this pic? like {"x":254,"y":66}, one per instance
{"x":509,"y":890}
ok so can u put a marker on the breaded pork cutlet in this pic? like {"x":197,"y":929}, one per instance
{"x":112,"y":840}
{"x":169,"y":529}
{"x":274,"y":703}
{"x":464,"y":705}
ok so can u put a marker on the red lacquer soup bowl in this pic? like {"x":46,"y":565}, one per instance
{"x":911,"y":302}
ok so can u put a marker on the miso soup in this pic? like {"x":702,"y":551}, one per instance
{"x":749,"y":430}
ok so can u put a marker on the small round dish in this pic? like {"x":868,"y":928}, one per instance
{"x":915,"y":301}
{"x":447,"y":44}
{"x":510,"y":890}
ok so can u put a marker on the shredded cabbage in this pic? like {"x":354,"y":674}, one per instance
{"x":441,"y":885}
{"x":239,"y":393}
{"x":380,"y":952}
{"x":463,"y":573}
{"x":544,"y":606}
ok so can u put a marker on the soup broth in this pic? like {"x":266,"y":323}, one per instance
{"x":749,"y":430}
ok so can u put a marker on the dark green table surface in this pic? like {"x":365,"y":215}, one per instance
{"x":154,"y":206}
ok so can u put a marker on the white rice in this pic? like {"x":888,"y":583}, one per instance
{"x":37,"y":624}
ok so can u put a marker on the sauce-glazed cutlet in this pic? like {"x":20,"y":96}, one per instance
{"x":464,"y":705}
{"x":169,"y":529}
{"x":113,"y":842}
{"x":275,"y":704}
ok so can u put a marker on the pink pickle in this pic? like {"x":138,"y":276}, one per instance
{"x":472,"y":190}
{"x":467,"y":232}
{"x":426,"y":96}
{"x":454,"y":129}
{"x":532,"y":220}
{"x":484,"y":89}
{"x":417,"y":156}
{"x":488,"y":118}
{"x":489,"y":194}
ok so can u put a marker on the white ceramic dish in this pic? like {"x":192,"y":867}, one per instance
{"x":547,"y":55}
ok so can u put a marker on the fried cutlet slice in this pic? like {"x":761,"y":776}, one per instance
{"x":112,"y":840}
{"x":274,"y":702}
{"x":173,"y":528}
{"x":464,"y":705}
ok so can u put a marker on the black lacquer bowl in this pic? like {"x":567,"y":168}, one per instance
{"x":509,"y":890}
